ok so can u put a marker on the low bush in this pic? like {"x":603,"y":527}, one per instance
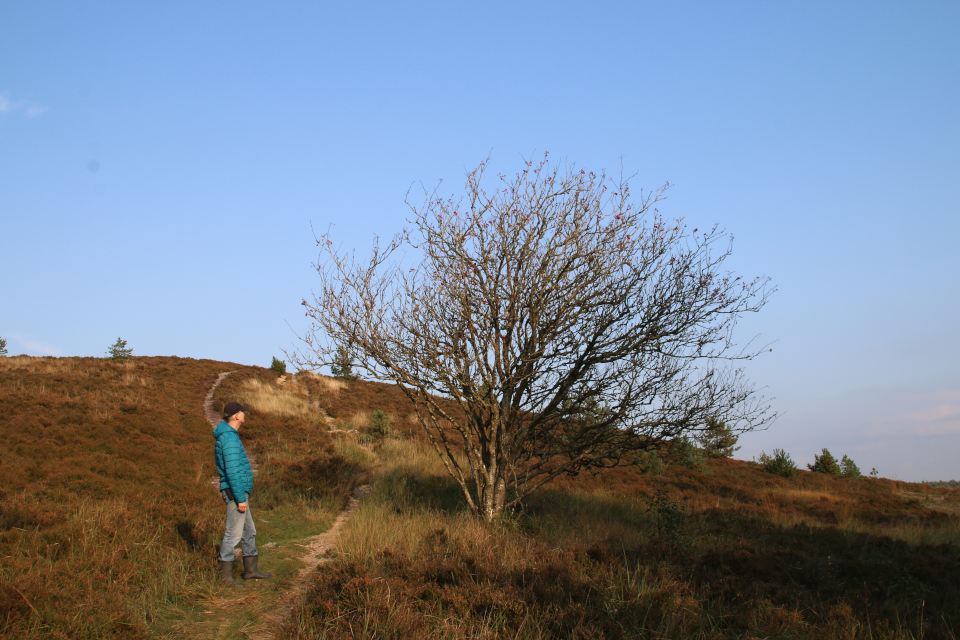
{"x":718,"y":440}
{"x":683,"y":452}
{"x":825,"y":463}
{"x":119,"y":352}
{"x":779,"y":463}
{"x":650,"y":463}
{"x":849,"y":468}
{"x":380,"y":426}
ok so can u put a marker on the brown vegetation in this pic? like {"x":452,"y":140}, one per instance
{"x":731,"y":552}
{"x":108,"y":528}
{"x":108,"y":523}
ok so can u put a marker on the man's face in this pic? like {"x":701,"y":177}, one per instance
{"x":239,"y":417}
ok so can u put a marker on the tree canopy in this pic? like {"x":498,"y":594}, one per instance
{"x":548,"y":323}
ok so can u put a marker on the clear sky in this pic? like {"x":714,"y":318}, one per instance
{"x":161,"y":165}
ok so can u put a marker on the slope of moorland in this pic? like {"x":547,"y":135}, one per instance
{"x":109,"y":526}
{"x":697,"y":549}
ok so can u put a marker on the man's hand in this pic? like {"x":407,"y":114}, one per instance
{"x":242,"y":507}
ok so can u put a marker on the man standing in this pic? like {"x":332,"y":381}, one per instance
{"x":236,"y":484}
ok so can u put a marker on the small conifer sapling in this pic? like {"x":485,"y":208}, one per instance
{"x":848,"y":468}
{"x":825,"y":463}
{"x":3,"y":347}
{"x":342,"y":366}
{"x":780,"y":463}
{"x":718,"y":440}
{"x":380,"y":426}
{"x":119,"y":352}
{"x":278,"y":366}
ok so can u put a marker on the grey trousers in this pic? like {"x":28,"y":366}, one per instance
{"x":240,"y":528}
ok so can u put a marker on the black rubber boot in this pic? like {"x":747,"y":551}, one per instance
{"x":226,"y":572}
{"x":251,"y":571}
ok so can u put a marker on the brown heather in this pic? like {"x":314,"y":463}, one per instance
{"x":750,"y":556}
{"x":109,"y":525}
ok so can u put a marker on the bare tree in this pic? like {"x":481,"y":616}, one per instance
{"x":548,"y":326}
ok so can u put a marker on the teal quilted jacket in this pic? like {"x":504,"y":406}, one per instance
{"x":232,"y":463}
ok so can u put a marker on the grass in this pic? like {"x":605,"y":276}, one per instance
{"x":108,"y":522}
{"x":109,"y":528}
{"x":731,"y":553}
{"x":282,"y":397}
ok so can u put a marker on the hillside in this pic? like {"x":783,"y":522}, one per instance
{"x":109,"y":527}
{"x":109,"y":524}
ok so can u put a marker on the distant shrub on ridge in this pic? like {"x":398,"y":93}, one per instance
{"x":849,"y":468}
{"x":825,"y":463}
{"x":718,"y":440}
{"x":683,"y":452}
{"x":779,"y":463}
{"x":119,"y":352}
{"x":342,"y":366}
{"x":278,"y":366}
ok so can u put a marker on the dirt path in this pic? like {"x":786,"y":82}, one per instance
{"x":214,"y":419}
{"x":208,"y":411}
{"x":311,"y":558}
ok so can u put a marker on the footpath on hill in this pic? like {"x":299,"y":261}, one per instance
{"x":276,"y":607}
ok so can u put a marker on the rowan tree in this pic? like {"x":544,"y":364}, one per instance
{"x":545,"y":324}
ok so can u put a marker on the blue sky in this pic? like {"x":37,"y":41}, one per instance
{"x":161,"y":166}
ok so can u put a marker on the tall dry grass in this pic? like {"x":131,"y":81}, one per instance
{"x":328,"y":384}
{"x":731,"y":552}
{"x":287,"y":399}
{"x":109,"y":524}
